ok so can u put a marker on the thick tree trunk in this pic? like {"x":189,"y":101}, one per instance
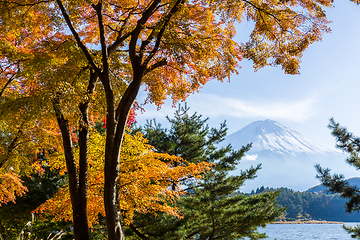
{"x":111,"y":207}
{"x":111,"y":169}
{"x":80,"y":221}
{"x":112,"y":156}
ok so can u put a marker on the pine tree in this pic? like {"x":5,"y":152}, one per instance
{"x":213,"y":207}
{"x":337,"y":184}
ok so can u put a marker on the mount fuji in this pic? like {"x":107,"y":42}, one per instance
{"x":287,"y":157}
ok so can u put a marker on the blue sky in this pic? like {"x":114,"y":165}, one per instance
{"x":328,"y":86}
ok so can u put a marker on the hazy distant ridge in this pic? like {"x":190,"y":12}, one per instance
{"x":355,"y":181}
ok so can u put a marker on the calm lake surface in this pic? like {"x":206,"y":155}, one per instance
{"x":306,"y":231}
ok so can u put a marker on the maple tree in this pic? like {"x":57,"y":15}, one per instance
{"x":143,"y":183}
{"x":66,"y":64}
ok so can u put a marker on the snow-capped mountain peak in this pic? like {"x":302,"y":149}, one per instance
{"x":271,"y":136}
{"x":287,"y":158}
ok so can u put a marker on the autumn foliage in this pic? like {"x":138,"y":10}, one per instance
{"x":143,"y":183}
{"x":11,"y":186}
{"x":66,"y":64}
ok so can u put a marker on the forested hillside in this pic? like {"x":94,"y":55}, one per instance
{"x":312,"y":205}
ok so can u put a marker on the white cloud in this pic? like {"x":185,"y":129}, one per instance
{"x":249,"y":157}
{"x":215,"y":106}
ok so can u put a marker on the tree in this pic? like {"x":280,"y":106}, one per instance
{"x":213,"y":207}
{"x":337,"y":184}
{"x":65,"y":64}
{"x":143,"y":183}
{"x":41,"y":185}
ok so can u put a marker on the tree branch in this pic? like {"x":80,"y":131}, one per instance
{"x":166,"y":20}
{"x":135,"y":230}
{"x":104,"y":52}
{"x":145,"y":43}
{"x":162,"y":62}
{"x":136,"y":32}
{"x":66,"y":136}
{"x":13,"y":144}
{"x":7,"y":83}
{"x":84,"y":137}
{"x":77,"y":38}
{"x":120,"y":38}
{"x":23,"y":4}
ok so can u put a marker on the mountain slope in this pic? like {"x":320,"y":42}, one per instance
{"x":269,"y":135}
{"x":287,"y":158}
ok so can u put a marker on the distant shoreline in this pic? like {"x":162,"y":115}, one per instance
{"x":307,"y":222}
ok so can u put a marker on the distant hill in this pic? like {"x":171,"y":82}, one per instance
{"x":321,"y":189}
{"x":287,"y":157}
{"x":312,"y":205}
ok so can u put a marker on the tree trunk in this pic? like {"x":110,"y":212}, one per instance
{"x":111,"y":208}
{"x":112,"y":155}
{"x":111,"y":168}
{"x":78,"y":198}
{"x":78,"y":193}
{"x":80,"y":222}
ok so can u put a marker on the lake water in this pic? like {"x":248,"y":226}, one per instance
{"x":306,"y":231}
